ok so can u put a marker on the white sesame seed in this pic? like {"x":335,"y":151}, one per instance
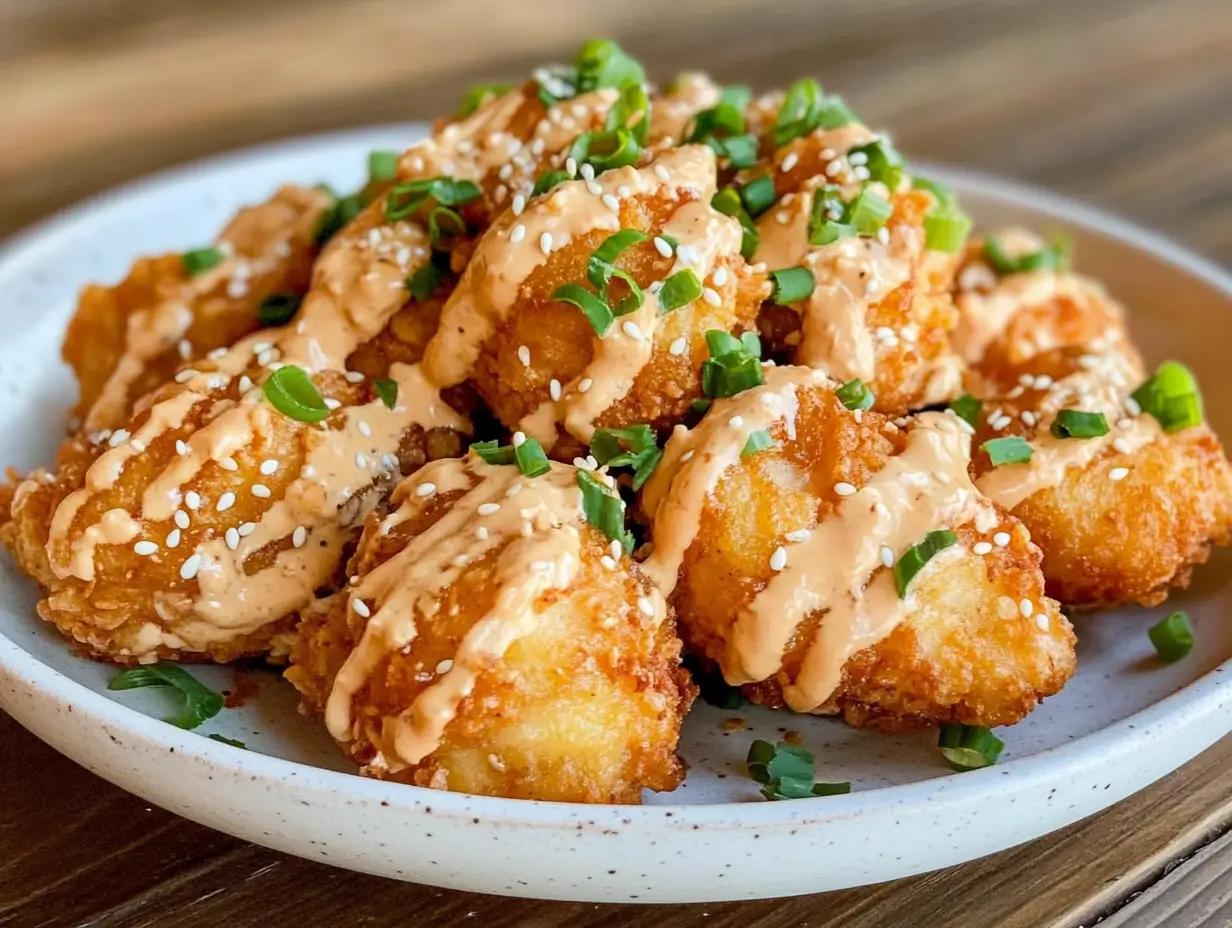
{"x":778,"y":560}
{"x":189,"y":568}
{"x":246,"y":529}
{"x":1001,"y":539}
{"x":181,"y":519}
{"x":513,"y":491}
{"x":361,"y":461}
{"x":585,"y":384}
{"x":186,"y":375}
{"x":268,"y":466}
{"x":842,"y":488}
{"x":554,"y":389}
{"x":611,"y":202}
{"x":527,"y":529}
{"x":645,"y":607}
{"x":145,"y":548}
{"x":173,"y":538}
{"x":137,"y":445}
{"x":677,"y":346}
{"x":662,"y":246}
{"x":593,"y":188}
{"x":571,"y":166}
{"x":686,"y":457}
{"x":192,"y":499}
{"x":331,"y":403}
{"x":630,"y":328}
{"x":720,"y":276}
{"x":487,"y":509}
{"x":524,"y":355}
{"x":981,"y":548}
{"x":1132,"y":406}
{"x":360,"y":607}
{"x":226,"y":501}
{"x":616,"y":549}
{"x":180,"y":447}
{"x":608,"y":562}
{"x":711,"y":296}
{"x":799,"y":535}
{"x":1118,"y":473}
{"x":587,"y":171}
{"x":887,"y":556}
{"x":519,"y":204}
{"x":545,"y":243}
{"x":1000,"y":423}
{"x":461,"y":560}
{"x":736,"y":421}
{"x":232,"y":538}
{"x":354,"y":377}
{"x":1028,"y":417}
{"x":517,"y":233}
{"x":364,"y":429}
{"x":261,"y":491}
{"x":444,"y":666}
{"x":245,"y":384}
{"x":789,"y":162}
{"x":662,"y":173}
{"x":1026,"y":607}
{"x":185,"y":348}
{"x":425,"y":489}
{"x":1041,"y":622}
{"x":118,"y":437}
{"x":228,"y":464}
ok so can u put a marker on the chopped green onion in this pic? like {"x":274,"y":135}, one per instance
{"x":791,"y":285}
{"x":969,"y":747}
{"x":428,"y":279}
{"x":404,"y":199}
{"x":635,"y":446}
{"x":736,"y":96}
{"x":632,"y":101}
{"x":477,"y":96}
{"x":548,"y":180}
{"x":493,"y":452}
{"x":855,"y":394}
{"x":225,"y":740}
{"x":914,"y":558}
{"x":805,"y":109}
{"x":1012,"y":449}
{"x":278,"y":308}
{"x":343,"y":210}
{"x":721,"y":343}
{"x":884,"y":163}
{"x":727,"y":201}
{"x":946,"y":229}
{"x":600,"y":270}
{"x":681,"y":289}
{"x":387,"y":390}
{"x":597,"y":312}
{"x":1172,"y":637}
{"x":786,"y":772}
{"x":563,"y":85}
{"x":734,"y":364}
{"x":711,"y":686}
{"x":740,"y":150}
{"x":758,"y":195}
{"x":967,"y":408}
{"x":941,"y":193}
{"x":603,"y":63}
{"x":443,"y":224}
{"x":199,"y":702}
{"x":530,"y":458}
{"x":717,"y":123}
{"x":200,"y":260}
{"x":701,"y":405}
{"x":292,"y":393}
{"x":382,"y":166}
{"x":603,"y":509}
{"x":1172,"y":397}
{"x":758,"y":441}
{"x":868,"y":212}
{"x":1052,"y":256}
{"x":611,"y":148}
{"x":1073,"y":423}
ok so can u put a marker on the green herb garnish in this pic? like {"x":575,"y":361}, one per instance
{"x":791,"y":285}
{"x":291,"y":391}
{"x":1172,"y":397}
{"x":734,"y":364}
{"x":681,"y":289}
{"x":382,"y":166}
{"x":1054,"y":256}
{"x":200,"y":260}
{"x":1172,"y":637}
{"x":969,"y":747}
{"x":604,"y":509}
{"x":758,"y":195}
{"x":914,"y":558}
{"x":278,"y":308}
{"x":404,"y":199}
{"x":225,"y":740}
{"x":1012,"y":449}
{"x":758,"y":441}
{"x":1074,"y":423}
{"x":477,"y":96}
{"x":387,"y":390}
{"x":635,"y":446}
{"x":198,"y":703}
{"x":855,"y":395}
{"x":786,"y":772}
{"x":967,"y":408}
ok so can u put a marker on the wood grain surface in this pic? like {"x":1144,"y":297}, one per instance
{"x":1125,"y":103}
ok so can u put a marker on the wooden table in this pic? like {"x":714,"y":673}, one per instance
{"x":1124,"y":103}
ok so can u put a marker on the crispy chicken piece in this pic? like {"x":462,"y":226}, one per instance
{"x":779,"y":560}
{"x":880,"y":310}
{"x":493,"y":644}
{"x":1122,"y":516}
{"x":541,"y":363}
{"x":125,"y":340}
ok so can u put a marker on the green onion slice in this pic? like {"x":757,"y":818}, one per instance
{"x":493,"y":452}
{"x":548,"y":180}
{"x":855,"y":394}
{"x":387,"y":390}
{"x":632,"y":102}
{"x":343,"y":210}
{"x":712,"y":688}
{"x":1172,"y":637}
{"x":786,"y":772}
{"x":530,"y":458}
{"x":791,"y":285}
{"x":604,"y":509}
{"x":734,"y":364}
{"x":278,"y":308}
{"x":600,"y":270}
{"x":1053,"y":256}
{"x":635,"y":446}
{"x":740,"y":150}
{"x":1172,"y":397}
{"x":868,"y":212}
{"x":681,"y":289}
{"x":914,"y":558}
{"x":941,"y":193}
{"x":701,"y":405}
{"x":382,"y":166}
{"x":611,"y":148}
{"x":969,"y":747}
{"x":477,"y":96}
{"x":758,"y":195}
{"x":198,"y":701}
{"x":946,"y":229}
{"x":727,"y":201}
{"x":200,"y":260}
{"x":1074,"y":423}
{"x":291,"y":391}
{"x":603,"y":63}
{"x":967,"y":408}
{"x":1011,"y":449}
{"x":428,"y":279}
{"x":404,"y":199}
{"x":804,"y":109}
{"x":758,"y":441}
{"x":597,"y":312}
{"x":444,"y":224}
{"x":225,"y":740}
{"x":884,"y":163}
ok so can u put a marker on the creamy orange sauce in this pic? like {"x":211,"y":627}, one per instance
{"x":839,"y":567}
{"x":518,"y":244}
{"x":357,"y":286}
{"x":670,"y":114}
{"x":535,"y":539}
{"x":284,"y":224}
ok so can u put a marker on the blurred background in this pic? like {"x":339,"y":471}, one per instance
{"x":1122,"y":102}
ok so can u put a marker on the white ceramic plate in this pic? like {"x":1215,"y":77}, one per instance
{"x":1124,"y":721}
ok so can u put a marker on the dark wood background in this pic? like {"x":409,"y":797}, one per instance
{"x":1125,"y":103}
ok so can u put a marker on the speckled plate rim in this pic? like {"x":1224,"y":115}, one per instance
{"x":1196,"y":716}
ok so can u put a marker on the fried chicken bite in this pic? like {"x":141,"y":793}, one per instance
{"x":849,"y":566}
{"x":128,"y":339}
{"x":535,"y":332}
{"x":233,"y":493}
{"x":839,"y":204}
{"x":496,"y":643}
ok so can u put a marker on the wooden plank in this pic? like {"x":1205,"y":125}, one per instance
{"x":1196,"y":894}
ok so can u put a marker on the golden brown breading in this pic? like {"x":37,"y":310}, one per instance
{"x":963,"y":652}
{"x":584,"y":705}
{"x":127,"y":339}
